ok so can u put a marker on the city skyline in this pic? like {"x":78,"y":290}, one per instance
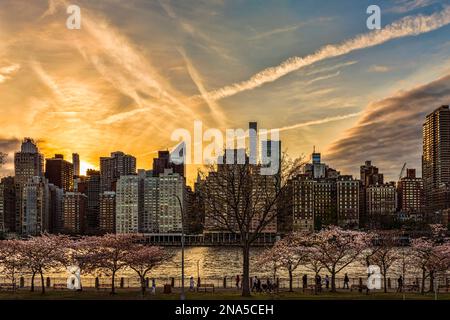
{"x":122,"y":84}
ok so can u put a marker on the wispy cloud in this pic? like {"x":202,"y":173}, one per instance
{"x":390,"y":130}
{"x":408,"y":26}
{"x":403,"y":6}
{"x":6,"y":72}
{"x":379,"y":68}
{"x":320,"y":121}
{"x":325,"y":77}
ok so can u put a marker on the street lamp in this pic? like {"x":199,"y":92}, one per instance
{"x":182,"y":295}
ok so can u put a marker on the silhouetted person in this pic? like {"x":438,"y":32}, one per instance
{"x":346,"y":281}
{"x":305,"y":282}
{"x":400,"y":284}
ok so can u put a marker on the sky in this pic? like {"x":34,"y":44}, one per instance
{"x":139,"y":69}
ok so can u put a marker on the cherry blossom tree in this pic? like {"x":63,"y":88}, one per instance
{"x":109,"y":253}
{"x":11,"y":259}
{"x":43,"y":253}
{"x":142,"y":259}
{"x":336,"y":248}
{"x":385,"y":254}
{"x":2,"y":158}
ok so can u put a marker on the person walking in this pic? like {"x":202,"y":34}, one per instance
{"x":153,"y":286}
{"x":255,"y":282}
{"x":258,"y":285}
{"x":327,"y":282}
{"x":191,"y":284}
{"x":305,"y":282}
{"x":346,"y":281}
{"x":238,"y":280}
{"x":400,"y":284}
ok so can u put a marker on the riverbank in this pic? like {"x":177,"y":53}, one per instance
{"x":219,"y":294}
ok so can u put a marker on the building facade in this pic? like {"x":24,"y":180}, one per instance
{"x":75,"y":204}
{"x":111,"y":168}
{"x":128,"y":204}
{"x":59,"y":172}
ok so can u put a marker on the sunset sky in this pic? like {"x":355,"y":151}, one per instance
{"x":139,"y":69}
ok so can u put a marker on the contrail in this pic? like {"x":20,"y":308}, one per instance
{"x":408,"y":26}
{"x":320,"y":121}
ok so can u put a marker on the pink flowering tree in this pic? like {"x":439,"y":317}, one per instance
{"x":43,"y":253}
{"x":11,"y":259}
{"x":142,"y":259}
{"x":336,"y":248}
{"x":109,"y":253}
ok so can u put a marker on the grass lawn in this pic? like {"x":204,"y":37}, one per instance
{"x":129,"y":294}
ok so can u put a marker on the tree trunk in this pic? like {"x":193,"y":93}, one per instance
{"x":290,"y":279}
{"x":113,"y":288}
{"x":32,"y":281}
{"x":431,"y":282}
{"x":143,"y":286}
{"x":385,"y":279}
{"x":42,"y":283}
{"x":422,"y":291}
{"x":246,"y":271}
{"x":333,"y":280}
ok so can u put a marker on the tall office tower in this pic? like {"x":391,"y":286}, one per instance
{"x":107,"y":214}
{"x":163,"y":162}
{"x":369,"y":175}
{"x":171,"y":186}
{"x":436,"y":159}
{"x":7,"y":205}
{"x":28,"y":162}
{"x":76,"y":164}
{"x":59,"y":172}
{"x":149,"y":221}
{"x":348,"y":198}
{"x":93,"y":201}
{"x":318,"y":170}
{"x":74,"y":209}
{"x":111,"y":168}
{"x":380,"y":203}
{"x":128,"y":206}
{"x":35,"y":207}
{"x":410,"y":194}
{"x":56,"y":209}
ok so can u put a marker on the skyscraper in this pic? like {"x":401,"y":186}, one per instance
{"x":59,"y":172}
{"x":35,"y":207}
{"x":410,"y":194}
{"x":76,"y":164}
{"x":436,"y":158}
{"x":7,"y":205}
{"x":111,"y":168}
{"x":348,"y":201}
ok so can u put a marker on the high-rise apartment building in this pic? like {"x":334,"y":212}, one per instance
{"x":436,"y":158}
{"x":302,"y":202}
{"x":411,"y":194}
{"x":348,"y":201}
{"x":171,"y":186}
{"x":111,"y":168}
{"x":56,"y":200}
{"x":35,"y":207}
{"x":380,"y":203}
{"x":7,"y":205}
{"x":59,"y":172}
{"x":128,"y":204}
{"x":28,"y":162}
{"x":107,"y":214}
{"x":74,"y":209}
{"x":93,"y":201}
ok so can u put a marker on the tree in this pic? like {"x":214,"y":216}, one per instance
{"x":142,"y":259}
{"x":336,"y":248}
{"x":11,"y":258}
{"x":2,"y":158}
{"x":109,"y":253}
{"x":43,"y":253}
{"x":240,"y":200}
{"x":386,"y":254}
{"x":291,"y":252}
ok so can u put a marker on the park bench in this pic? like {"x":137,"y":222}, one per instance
{"x":206,"y":286}
{"x":358,"y":287}
{"x":103,"y":286}
{"x":411,"y":287}
{"x":61,"y":286}
{"x":444,"y":286}
{"x":7,"y":286}
{"x":311,"y":288}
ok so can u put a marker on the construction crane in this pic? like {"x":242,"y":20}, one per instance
{"x":401,"y":172}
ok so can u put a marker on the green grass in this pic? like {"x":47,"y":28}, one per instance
{"x":128,"y":294}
